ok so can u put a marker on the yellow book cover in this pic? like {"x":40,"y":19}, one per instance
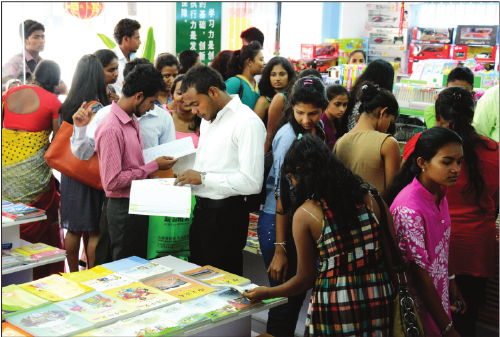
{"x":34,"y":249}
{"x":55,"y":288}
{"x":87,"y":275}
{"x":212,"y":275}
{"x":180,"y":287}
{"x":143,"y":296}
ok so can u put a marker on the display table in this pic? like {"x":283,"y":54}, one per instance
{"x":236,"y":325}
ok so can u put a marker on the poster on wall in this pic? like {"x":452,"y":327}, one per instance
{"x":198,"y":28}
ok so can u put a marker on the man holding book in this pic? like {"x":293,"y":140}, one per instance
{"x":229,"y":165}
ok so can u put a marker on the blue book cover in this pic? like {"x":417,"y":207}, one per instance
{"x":19,"y":209}
{"x":50,"y":320}
{"x":6,"y":203}
{"x":123,"y":264}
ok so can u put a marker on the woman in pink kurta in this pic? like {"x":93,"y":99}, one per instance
{"x":422,"y":224}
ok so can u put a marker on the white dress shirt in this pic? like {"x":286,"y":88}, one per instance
{"x":231,"y":152}
{"x":122,"y":61}
{"x":157,"y":127}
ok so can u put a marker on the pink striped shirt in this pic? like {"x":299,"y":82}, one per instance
{"x":118,"y":143}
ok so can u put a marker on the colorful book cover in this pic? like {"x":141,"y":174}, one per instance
{"x":108,"y":282}
{"x":50,"y":320}
{"x":98,"y":308}
{"x":235,"y":298}
{"x":37,"y":251}
{"x":115,"y":329}
{"x":146,"y":271}
{"x":182,"y":315}
{"x":123,"y":264}
{"x":180,"y":287}
{"x":212,"y":307}
{"x":87,"y":275}
{"x":151,"y":324}
{"x":15,"y":298}
{"x":55,"y":288}
{"x":10,"y":330}
{"x":6,"y":203}
{"x":143,"y":297}
{"x":212,"y":275}
{"x":20,"y":210}
{"x":12,"y":258}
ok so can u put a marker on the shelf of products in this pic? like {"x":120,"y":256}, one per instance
{"x":20,"y":222}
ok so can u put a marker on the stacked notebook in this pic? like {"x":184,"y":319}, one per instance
{"x":180,"y":287}
{"x":11,"y":258}
{"x":146,"y":272}
{"x":211,"y":275}
{"x":40,"y":252}
{"x":20,"y":211}
{"x":16,"y":300}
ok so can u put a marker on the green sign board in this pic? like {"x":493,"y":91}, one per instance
{"x":198,"y":28}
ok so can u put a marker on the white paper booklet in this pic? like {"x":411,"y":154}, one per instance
{"x":160,"y":197}
{"x":147,"y":271}
{"x":178,"y":148}
{"x":109,"y":282}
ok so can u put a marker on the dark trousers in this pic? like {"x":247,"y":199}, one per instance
{"x":128,"y":233}
{"x":217,"y":237}
{"x":282,"y":320}
{"x":103,"y":248}
{"x":472,"y":289}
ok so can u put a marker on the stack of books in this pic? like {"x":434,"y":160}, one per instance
{"x":12,"y":258}
{"x":40,"y":252}
{"x":253,"y":238}
{"x":19,"y":211}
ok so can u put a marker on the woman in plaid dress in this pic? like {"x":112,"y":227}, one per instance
{"x":335,"y":221}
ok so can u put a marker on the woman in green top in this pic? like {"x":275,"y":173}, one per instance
{"x":243,"y":66}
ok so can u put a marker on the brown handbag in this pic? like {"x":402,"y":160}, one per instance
{"x":60,"y":158}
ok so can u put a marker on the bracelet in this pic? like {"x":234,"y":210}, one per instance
{"x":452,"y":277}
{"x":448,"y":328}
{"x":282,"y":244}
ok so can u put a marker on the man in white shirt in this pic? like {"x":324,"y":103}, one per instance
{"x":229,"y":165}
{"x":128,"y":40}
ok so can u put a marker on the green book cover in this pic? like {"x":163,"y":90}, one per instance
{"x":15,"y":298}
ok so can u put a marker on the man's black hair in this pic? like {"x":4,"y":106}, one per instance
{"x":29,"y":27}
{"x":187,"y":59}
{"x":129,"y":66}
{"x":202,"y":77}
{"x":461,"y":74}
{"x":253,"y":34}
{"x":144,"y":78}
{"x":125,"y":27}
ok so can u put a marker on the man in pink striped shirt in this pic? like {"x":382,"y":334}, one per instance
{"x":119,"y":145}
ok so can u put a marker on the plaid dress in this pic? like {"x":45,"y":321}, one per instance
{"x":352,"y":294}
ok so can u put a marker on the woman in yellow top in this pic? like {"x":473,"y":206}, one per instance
{"x":30,"y":113}
{"x":242,"y":68}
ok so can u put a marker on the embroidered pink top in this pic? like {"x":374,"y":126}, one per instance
{"x":423,"y":233}
{"x":118,"y":143}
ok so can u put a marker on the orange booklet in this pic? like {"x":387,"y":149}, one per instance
{"x":10,"y":330}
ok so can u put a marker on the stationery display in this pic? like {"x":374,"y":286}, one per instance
{"x":211,"y":275}
{"x":180,"y":287}
{"x":40,"y":251}
{"x":160,"y":197}
{"x":55,"y":288}
{"x":146,"y":272}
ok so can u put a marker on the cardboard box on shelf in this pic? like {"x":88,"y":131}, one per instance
{"x":476,"y":35}
{"x":387,"y":39}
{"x":432,"y":35}
{"x":479,"y":53}
{"x":346,"y":46}
{"x":319,"y":51}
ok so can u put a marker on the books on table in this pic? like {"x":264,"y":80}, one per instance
{"x":143,"y":297}
{"x":40,"y":251}
{"x":12,"y":258}
{"x":123,"y":264}
{"x":10,"y":330}
{"x":108,"y":282}
{"x":87,"y":275}
{"x":160,"y":197}
{"x":211,"y":275}
{"x":215,"y":308}
{"x":183,"y":316}
{"x":20,"y":211}
{"x":98,"y":308}
{"x":15,"y":299}
{"x":146,"y":272}
{"x":55,"y":288}
{"x":235,"y":297}
{"x":180,"y":287}
{"x":50,"y":320}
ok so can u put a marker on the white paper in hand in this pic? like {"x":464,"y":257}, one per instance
{"x":178,"y":148}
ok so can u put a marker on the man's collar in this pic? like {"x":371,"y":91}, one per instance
{"x":233,"y":105}
{"x":119,"y":53}
{"x":29,"y":57}
{"x":121,"y":114}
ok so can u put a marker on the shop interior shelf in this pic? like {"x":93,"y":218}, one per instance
{"x":20,"y":222}
{"x":32,"y":265}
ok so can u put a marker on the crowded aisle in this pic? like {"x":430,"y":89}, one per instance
{"x":221,"y":172}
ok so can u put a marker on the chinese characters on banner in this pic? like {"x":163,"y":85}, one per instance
{"x":198,"y":28}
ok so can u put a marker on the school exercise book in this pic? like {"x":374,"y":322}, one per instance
{"x":143,"y":297}
{"x":16,"y":299}
{"x":50,"y":320}
{"x":40,"y":251}
{"x":146,"y":272}
{"x":211,"y":275}
{"x":235,"y":298}
{"x":10,"y":330}
{"x":213,"y":307}
{"x":12,"y":258}
{"x":55,"y":288}
{"x":180,"y":287}
{"x":123,"y":264}
{"x":108,"y":282}
{"x":98,"y":308}
{"x":183,"y":316}
{"x":87,"y":275}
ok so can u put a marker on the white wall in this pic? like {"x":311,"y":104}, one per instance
{"x":352,"y":20}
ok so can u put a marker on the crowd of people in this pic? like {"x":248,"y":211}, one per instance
{"x":307,"y":156}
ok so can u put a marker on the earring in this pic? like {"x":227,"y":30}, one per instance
{"x":423,"y":170}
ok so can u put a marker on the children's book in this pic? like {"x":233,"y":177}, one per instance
{"x":180,"y":287}
{"x":146,"y":272}
{"x":213,"y":307}
{"x":20,"y":211}
{"x":143,"y":297}
{"x":98,"y":308}
{"x":50,"y":320}
{"x":6,"y":203}
{"x":123,"y":264}
{"x":116,"y":329}
{"x":151,"y":324}
{"x":183,"y":316}
{"x":16,"y":299}
{"x":108,"y":282}
{"x":40,"y":251}
{"x":10,"y":330}
{"x":235,"y":298}
{"x":211,"y":275}
{"x":12,"y":258}
{"x":87,"y":275}
{"x":55,"y":288}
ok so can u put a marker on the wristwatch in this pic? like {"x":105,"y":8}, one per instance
{"x":203,"y":175}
